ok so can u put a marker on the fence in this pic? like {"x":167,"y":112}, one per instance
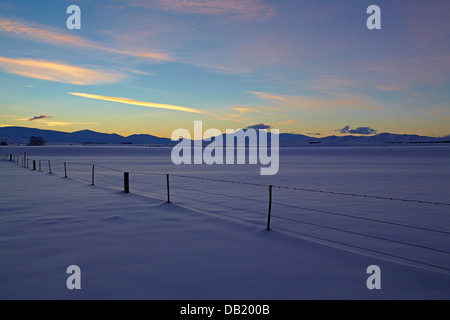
{"x":278,"y":208}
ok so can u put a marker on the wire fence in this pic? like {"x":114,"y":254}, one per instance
{"x":285,"y":209}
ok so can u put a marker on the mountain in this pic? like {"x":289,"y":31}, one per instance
{"x":382,"y":138}
{"x":290,"y":139}
{"x":21,"y":135}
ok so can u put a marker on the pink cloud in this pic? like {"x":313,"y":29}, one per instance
{"x":55,"y":37}
{"x":58,"y":72}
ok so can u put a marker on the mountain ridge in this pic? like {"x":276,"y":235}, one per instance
{"x":21,"y":135}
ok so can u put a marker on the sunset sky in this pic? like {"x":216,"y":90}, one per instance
{"x":300,"y":66}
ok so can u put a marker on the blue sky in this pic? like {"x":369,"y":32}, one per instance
{"x":154,"y":66}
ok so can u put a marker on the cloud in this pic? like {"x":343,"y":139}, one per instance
{"x":269,"y":96}
{"x":245,"y":110}
{"x":39,"y":117}
{"x":136,"y":71}
{"x":259,"y":126}
{"x":359,"y":130}
{"x":314,"y":104}
{"x":137,"y":103}
{"x":246,"y":10}
{"x":445,"y":111}
{"x":52,"y":36}
{"x":67,"y":123}
{"x":290,"y":121}
{"x":314,"y":133}
{"x":58,"y":72}
{"x":404,"y":73}
{"x":44,"y":120}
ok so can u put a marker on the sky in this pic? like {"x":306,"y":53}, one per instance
{"x":300,"y":66}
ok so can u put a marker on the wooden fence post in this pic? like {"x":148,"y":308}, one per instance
{"x":93,"y":168}
{"x":34,"y":165}
{"x":40,"y":168}
{"x":126,"y":182}
{"x":49,"y":167}
{"x":168,"y":189}
{"x":65,"y":170}
{"x":270,"y":208}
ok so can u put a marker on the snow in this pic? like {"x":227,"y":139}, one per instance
{"x":137,"y":246}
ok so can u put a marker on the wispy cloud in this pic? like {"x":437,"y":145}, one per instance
{"x":67,"y":123}
{"x":44,"y":120}
{"x":269,"y":96}
{"x":58,"y":72}
{"x":290,"y":121}
{"x":247,"y":10}
{"x":55,"y":37}
{"x":137,"y":103}
{"x":244,"y":110}
{"x":400,"y":74}
{"x":314,"y":104}
{"x":439,"y":112}
{"x":39,"y":117}
{"x":138,"y":72}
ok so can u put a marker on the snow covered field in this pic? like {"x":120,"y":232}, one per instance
{"x":211,"y":241}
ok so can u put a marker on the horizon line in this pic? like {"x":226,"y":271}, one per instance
{"x":236,"y":130}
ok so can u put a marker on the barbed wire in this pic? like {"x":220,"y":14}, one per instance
{"x":360,"y":218}
{"x":267,"y":185}
{"x":222,"y":194}
{"x":362,"y":234}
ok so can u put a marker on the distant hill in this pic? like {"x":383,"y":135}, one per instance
{"x":14,"y":135}
{"x":22,"y":135}
{"x":382,"y":138}
{"x":290,"y":139}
